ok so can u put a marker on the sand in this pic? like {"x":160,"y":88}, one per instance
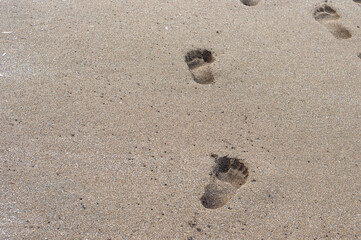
{"x":106,"y":134}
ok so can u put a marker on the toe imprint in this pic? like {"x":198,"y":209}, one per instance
{"x":231,"y":170}
{"x":325,"y":13}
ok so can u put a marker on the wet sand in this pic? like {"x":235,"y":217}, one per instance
{"x":180,"y":119}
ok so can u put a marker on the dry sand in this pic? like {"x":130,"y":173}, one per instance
{"x":104,"y":134}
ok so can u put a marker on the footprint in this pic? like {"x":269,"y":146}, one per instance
{"x":250,"y":2}
{"x":328,"y":17}
{"x":199,"y":61}
{"x":228,"y":175}
{"x":357,"y":1}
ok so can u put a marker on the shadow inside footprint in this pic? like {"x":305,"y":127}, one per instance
{"x":340,"y":32}
{"x":229,"y":174}
{"x":198,"y":62}
{"x":250,"y":2}
{"x":328,"y":17}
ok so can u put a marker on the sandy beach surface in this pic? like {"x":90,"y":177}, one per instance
{"x":180,"y":119}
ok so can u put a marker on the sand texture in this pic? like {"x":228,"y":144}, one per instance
{"x":144,"y":119}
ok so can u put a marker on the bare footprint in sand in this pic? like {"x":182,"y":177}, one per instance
{"x":228,"y":176}
{"x":328,"y":17}
{"x":250,"y":2}
{"x":199,"y":61}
